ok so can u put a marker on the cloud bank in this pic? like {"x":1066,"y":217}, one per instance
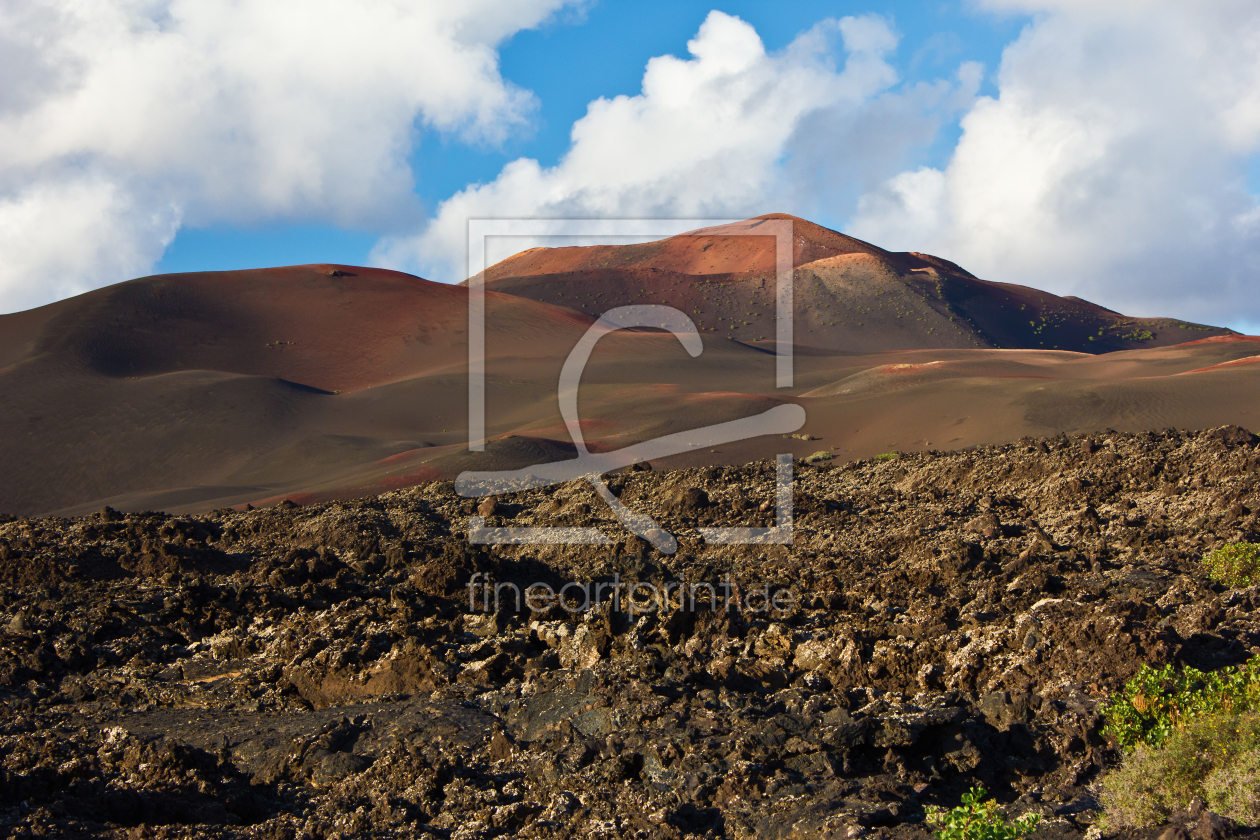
{"x":1113,"y":164}
{"x":122,"y":119}
{"x":732,"y":131}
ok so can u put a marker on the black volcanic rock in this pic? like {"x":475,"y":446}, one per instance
{"x":322,"y":671}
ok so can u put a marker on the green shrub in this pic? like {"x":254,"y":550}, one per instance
{"x":888,"y":456}
{"x":1159,"y":701}
{"x":1138,"y":335}
{"x":824,"y":455}
{"x":1236,"y":564}
{"x":1233,"y":789}
{"x":976,"y":820}
{"x":1215,"y":757}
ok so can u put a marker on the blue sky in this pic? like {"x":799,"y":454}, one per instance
{"x":601,"y":52}
{"x":598,"y":52}
{"x":1106,"y":150}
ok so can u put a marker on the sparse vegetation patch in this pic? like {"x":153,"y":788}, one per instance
{"x":1156,"y":702}
{"x":976,"y":819}
{"x":1215,"y":758}
{"x":1235,"y":564}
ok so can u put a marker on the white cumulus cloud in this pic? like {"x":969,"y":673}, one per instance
{"x":1112,"y":164}
{"x":730,"y":131}
{"x":120,"y":119}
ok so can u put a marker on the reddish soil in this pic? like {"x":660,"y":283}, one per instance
{"x":849,"y":295}
{"x":195,"y":391}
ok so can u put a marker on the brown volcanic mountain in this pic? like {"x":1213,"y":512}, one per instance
{"x":330,"y":328}
{"x":197,"y":391}
{"x":849,"y":295}
{"x":239,"y":380}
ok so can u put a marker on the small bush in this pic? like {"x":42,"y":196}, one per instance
{"x":1159,"y":701}
{"x":824,"y":455}
{"x":1138,"y":335}
{"x":888,"y":456}
{"x":1234,"y":788}
{"x":1215,"y":757}
{"x":1236,"y":564}
{"x":976,"y":820}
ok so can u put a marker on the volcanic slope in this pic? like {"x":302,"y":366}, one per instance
{"x":849,"y":295}
{"x":241,"y":381}
{"x":193,"y":392}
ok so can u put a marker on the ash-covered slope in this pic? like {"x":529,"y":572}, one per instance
{"x":849,"y":295}
{"x":326,"y":327}
{"x":214,"y":384}
{"x":319,"y":672}
{"x":198,"y":391}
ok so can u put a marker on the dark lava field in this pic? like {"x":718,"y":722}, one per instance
{"x":317,"y":672}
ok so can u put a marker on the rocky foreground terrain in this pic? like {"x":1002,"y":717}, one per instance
{"x":317,"y":671}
